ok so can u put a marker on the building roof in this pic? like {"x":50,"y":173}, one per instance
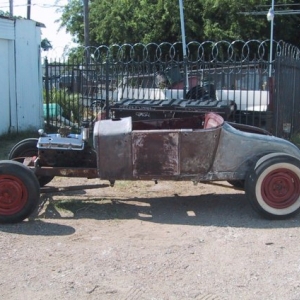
{"x":38,"y":24}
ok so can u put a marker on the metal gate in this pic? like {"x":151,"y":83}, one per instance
{"x":236,"y":71}
{"x":287,"y":97}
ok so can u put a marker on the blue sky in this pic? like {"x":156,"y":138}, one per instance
{"x":44,"y":11}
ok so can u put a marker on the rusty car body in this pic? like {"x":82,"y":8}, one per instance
{"x":202,"y":148}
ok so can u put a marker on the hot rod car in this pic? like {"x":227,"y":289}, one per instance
{"x":202,"y":148}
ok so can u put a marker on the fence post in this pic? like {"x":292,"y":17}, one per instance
{"x":271,"y":93}
{"x":47,"y":90}
{"x":186,"y":77}
{"x":107,"y":108}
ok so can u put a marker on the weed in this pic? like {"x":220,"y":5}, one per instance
{"x":8,"y":140}
{"x":69,"y":106}
{"x":295,"y":138}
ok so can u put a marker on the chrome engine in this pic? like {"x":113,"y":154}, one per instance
{"x":65,"y":149}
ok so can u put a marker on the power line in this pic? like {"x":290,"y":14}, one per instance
{"x":43,"y":5}
{"x":278,"y":12}
{"x":283,"y":4}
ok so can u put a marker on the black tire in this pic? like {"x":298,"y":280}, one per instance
{"x":19,"y":192}
{"x":240,"y":184}
{"x":28,"y":148}
{"x":24,"y":148}
{"x":273,"y":187}
{"x":195,"y":93}
{"x":207,"y":92}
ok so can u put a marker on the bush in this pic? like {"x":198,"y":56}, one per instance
{"x":71,"y":105}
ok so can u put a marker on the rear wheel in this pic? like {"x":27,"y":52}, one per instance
{"x":28,"y":148}
{"x":273,"y":187}
{"x":19,"y":192}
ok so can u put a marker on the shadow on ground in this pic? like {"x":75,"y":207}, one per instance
{"x":38,"y":227}
{"x":205,"y":210}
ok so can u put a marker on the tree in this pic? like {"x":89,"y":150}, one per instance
{"x":145,"y":21}
{"x":72,"y":20}
{"x":4,"y":13}
{"x":46,"y":45}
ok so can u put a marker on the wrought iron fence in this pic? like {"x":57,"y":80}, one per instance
{"x":287,"y":98}
{"x":137,"y":77}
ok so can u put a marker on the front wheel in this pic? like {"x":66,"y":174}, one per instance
{"x":273,"y":187}
{"x":19,"y":192}
{"x":28,"y":148}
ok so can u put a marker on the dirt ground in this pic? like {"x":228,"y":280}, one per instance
{"x":141,"y":240}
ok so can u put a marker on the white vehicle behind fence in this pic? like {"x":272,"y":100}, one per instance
{"x":246,"y":100}
{"x":137,"y":95}
{"x":152,"y":87}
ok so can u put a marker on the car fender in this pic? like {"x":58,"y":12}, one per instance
{"x":270,"y":155}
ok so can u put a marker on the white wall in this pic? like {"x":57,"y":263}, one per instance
{"x":4,"y":87}
{"x":28,"y":75}
{"x":6,"y":73}
{"x":21,"y":101}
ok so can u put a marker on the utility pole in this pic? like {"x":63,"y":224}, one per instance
{"x":270,"y":17}
{"x":28,"y":8}
{"x":181,"y":11}
{"x":11,"y":8}
{"x":86,"y":28}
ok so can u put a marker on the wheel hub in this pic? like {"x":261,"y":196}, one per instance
{"x":281,"y":188}
{"x":13,"y":195}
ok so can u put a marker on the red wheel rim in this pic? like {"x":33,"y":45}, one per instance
{"x":280,"y":188}
{"x":13,"y":195}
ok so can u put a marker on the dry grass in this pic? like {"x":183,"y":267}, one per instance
{"x":7,"y":141}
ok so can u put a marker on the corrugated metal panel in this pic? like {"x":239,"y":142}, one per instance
{"x":7,"y":29}
{"x":4,"y":87}
{"x":7,"y":86}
